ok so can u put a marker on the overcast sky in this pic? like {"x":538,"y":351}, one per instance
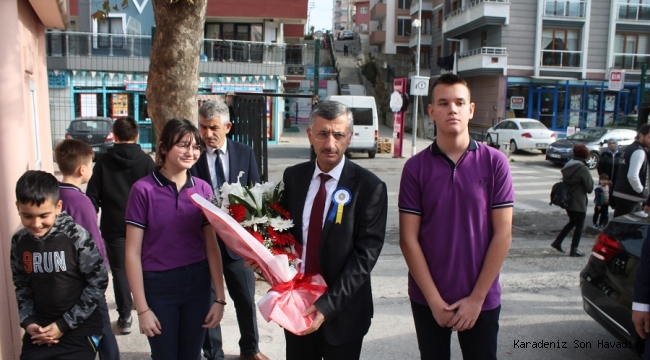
{"x":321,"y":15}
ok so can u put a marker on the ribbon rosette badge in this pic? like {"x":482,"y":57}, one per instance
{"x":341,"y":197}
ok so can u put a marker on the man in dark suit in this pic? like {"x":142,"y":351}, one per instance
{"x":223,"y":161}
{"x":339,"y":211}
{"x":641,"y":304}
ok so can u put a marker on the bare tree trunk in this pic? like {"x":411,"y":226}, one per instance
{"x":174,"y":71}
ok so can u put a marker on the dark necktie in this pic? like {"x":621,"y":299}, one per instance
{"x":315,"y":230}
{"x":218,"y":168}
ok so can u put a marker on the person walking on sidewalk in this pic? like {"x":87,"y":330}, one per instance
{"x":631,"y":185}
{"x":578,"y":178}
{"x":345,"y":49}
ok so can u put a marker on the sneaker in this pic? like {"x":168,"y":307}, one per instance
{"x":124,"y":326}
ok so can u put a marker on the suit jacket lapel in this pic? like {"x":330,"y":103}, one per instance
{"x":346,"y":181}
{"x":204,"y":169}
{"x":301,"y":184}
{"x":233,"y":163}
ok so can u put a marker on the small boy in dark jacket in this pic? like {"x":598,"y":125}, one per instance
{"x":601,"y":201}
{"x":109,"y":188}
{"x":58,"y":273}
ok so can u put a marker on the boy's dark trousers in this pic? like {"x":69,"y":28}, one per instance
{"x":68,"y":348}
{"x":115,"y":255}
{"x":602,"y":214}
{"x":477,"y":343}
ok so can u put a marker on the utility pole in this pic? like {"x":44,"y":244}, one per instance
{"x":417,"y":25}
{"x":317,"y":46}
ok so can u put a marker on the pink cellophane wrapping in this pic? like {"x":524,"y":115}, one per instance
{"x":294,"y":294}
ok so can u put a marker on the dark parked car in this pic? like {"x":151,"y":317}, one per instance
{"x":625,"y":122}
{"x":607,"y":281}
{"x":95,"y":131}
{"x":594,"y":138}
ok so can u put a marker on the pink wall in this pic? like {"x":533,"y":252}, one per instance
{"x":23,"y":63}
{"x":360,"y":18}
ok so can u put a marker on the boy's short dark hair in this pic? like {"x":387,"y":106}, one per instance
{"x":69,"y":154}
{"x":448,"y":79}
{"x":603,"y":176}
{"x":125,"y":129}
{"x":35,"y":187}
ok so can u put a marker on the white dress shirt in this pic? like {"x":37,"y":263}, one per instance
{"x":212,"y":157}
{"x":330,"y":186}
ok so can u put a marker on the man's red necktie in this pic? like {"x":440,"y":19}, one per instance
{"x":315,"y":230}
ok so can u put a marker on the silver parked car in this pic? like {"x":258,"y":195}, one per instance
{"x":595,"y":139}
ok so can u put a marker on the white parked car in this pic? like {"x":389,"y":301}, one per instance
{"x":529,"y":134}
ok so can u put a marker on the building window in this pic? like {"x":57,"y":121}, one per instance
{"x":403,"y":27}
{"x":364,"y":27}
{"x":110,"y":31}
{"x":438,"y":53}
{"x":439,"y":19}
{"x":483,"y":38}
{"x":561,"y":47}
{"x":454,"y":5}
{"x":363,"y":10}
{"x":631,"y":50}
{"x":403,"y":50}
{"x":633,"y":9}
{"x":403,"y":4}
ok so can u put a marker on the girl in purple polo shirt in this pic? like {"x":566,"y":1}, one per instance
{"x":171,"y":250}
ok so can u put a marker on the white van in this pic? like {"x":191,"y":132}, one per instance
{"x":366,"y":122}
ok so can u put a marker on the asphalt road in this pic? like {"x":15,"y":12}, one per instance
{"x":541,"y":298}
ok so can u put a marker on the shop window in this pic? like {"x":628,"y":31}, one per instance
{"x":561,"y":47}
{"x":364,"y":27}
{"x":631,"y":50}
{"x":403,"y":27}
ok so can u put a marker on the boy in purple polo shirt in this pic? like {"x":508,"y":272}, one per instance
{"x":455,"y":204}
{"x":75,"y":161}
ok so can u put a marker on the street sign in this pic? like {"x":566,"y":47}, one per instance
{"x":616,"y":79}
{"x":396,"y":101}
{"x":517,"y":103}
{"x":419,"y":85}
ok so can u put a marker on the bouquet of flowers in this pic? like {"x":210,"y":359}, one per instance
{"x":251,"y":223}
{"x":258,"y":210}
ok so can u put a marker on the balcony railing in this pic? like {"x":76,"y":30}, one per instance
{"x":561,"y":58}
{"x":631,"y":61}
{"x":471,"y":5}
{"x":78,"y":44}
{"x":484,"y":51}
{"x":565,"y":8}
{"x":633,"y":12}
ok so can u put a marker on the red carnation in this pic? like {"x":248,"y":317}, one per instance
{"x":237,"y":211}
{"x":280,"y":210}
{"x":257,"y":236}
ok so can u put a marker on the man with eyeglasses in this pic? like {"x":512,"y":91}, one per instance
{"x":339,"y":211}
{"x":222,"y":161}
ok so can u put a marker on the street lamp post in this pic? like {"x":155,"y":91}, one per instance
{"x":416,"y":24}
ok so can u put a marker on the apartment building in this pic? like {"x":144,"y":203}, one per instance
{"x":101,"y":67}
{"x":429,"y":9}
{"x":390,"y":26}
{"x":544,"y":59}
{"x":342,"y":13}
{"x":361,"y":17}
